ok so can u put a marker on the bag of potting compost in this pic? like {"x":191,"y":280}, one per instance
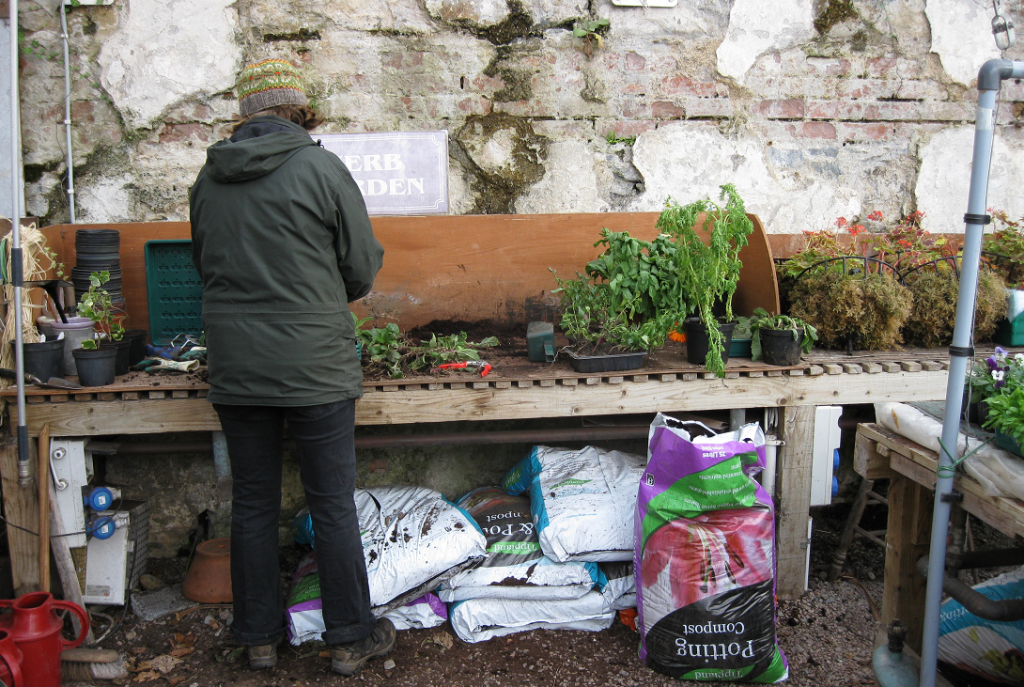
{"x":412,"y":540}
{"x":620,"y":585}
{"x":582,"y":501}
{"x":477,"y":620}
{"x":514,"y":568}
{"x":705,"y":558}
{"x":977,"y":650}
{"x":305,"y":609}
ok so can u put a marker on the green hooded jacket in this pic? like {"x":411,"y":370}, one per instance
{"x":281,"y":238}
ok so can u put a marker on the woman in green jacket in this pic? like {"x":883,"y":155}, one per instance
{"x":282,"y":240}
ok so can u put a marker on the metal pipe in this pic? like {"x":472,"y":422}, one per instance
{"x":960,"y":351}
{"x":67,"y":110}
{"x":992,"y":558}
{"x":1002,"y":610}
{"x":17,"y":277}
{"x":525,"y":436}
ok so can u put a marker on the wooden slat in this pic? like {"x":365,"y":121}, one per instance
{"x":546,"y":399}
{"x":794,"y":498}
{"x":833,"y":369}
{"x":910,"y":366}
{"x":867,"y":461}
{"x":21,"y":509}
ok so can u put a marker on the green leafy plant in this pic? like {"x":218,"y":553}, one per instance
{"x":596,"y":322}
{"x":382,"y":348}
{"x":1006,"y":246}
{"x":708,"y":272}
{"x":762,"y":319}
{"x":640,"y":275}
{"x":589,"y":30}
{"x":97,"y":306}
{"x":1002,"y":388}
{"x":614,"y":138}
{"x":448,"y":349}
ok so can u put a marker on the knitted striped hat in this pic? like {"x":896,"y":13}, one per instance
{"x":269,"y":83}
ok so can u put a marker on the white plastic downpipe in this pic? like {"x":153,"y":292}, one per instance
{"x":67,"y":111}
{"x":17,"y":278}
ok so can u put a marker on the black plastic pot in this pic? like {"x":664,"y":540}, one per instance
{"x":95,"y":366}
{"x":697,"y":340}
{"x":780,"y":347}
{"x":607,"y":363}
{"x":45,"y":360}
{"x":123,"y":349}
{"x":137,"y":350}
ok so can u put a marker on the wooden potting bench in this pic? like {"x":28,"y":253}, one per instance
{"x":471,"y":268}
{"x":911,"y":471}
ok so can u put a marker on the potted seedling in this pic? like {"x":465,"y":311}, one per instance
{"x":708,"y":271}
{"x":1005,"y":402}
{"x":779,"y":339}
{"x":105,"y":355}
{"x":605,"y":334}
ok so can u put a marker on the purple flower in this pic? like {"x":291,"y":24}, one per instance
{"x":1000,"y":353}
{"x":992,"y":363}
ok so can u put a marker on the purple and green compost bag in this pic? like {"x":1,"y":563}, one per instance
{"x":704,"y":557}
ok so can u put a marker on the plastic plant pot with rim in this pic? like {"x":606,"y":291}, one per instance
{"x":780,"y":347}
{"x":95,"y":366}
{"x":697,"y":340}
{"x":44,"y":359}
{"x":121,"y":360}
{"x":76,"y":330}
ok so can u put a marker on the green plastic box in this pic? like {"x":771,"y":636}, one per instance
{"x":175,"y":291}
{"x":1010,"y":333}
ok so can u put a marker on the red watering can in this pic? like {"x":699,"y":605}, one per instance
{"x":35,"y":627}
{"x":10,"y":654}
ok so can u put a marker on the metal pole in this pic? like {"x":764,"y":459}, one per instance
{"x":989,"y":79}
{"x":67,"y":110}
{"x":17,"y":278}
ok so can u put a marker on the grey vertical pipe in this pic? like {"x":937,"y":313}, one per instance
{"x":989,"y":79}
{"x":222,"y":466}
{"x":67,"y":110}
{"x":24,"y":469}
{"x":737,"y":418}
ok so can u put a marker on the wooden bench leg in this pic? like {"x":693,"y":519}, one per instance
{"x":907,"y":540}
{"x":21,"y":507}
{"x":852,"y":522}
{"x":794,"y":499}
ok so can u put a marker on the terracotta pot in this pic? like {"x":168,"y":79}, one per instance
{"x":208,"y":579}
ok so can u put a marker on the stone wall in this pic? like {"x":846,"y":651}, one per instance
{"x":813,"y":108}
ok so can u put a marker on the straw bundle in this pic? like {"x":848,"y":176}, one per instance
{"x":37,"y":261}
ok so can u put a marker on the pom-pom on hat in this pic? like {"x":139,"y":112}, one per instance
{"x":269,"y":83}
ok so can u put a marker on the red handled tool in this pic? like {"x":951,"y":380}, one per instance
{"x":485,"y":367}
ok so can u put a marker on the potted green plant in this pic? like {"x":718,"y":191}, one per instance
{"x":606,"y":334}
{"x":930,"y":269}
{"x":853,"y":300}
{"x":1005,"y":402}
{"x":96,"y":304}
{"x":708,"y":271}
{"x":739,"y":344}
{"x":779,"y":339}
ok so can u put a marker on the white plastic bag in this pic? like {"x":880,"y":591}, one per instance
{"x":480,"y":619}
{"x":582,"y":501}
{"x":515,"y":567}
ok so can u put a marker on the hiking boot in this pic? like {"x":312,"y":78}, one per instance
{"x":347,"y":659}
{"x":262,"y":656}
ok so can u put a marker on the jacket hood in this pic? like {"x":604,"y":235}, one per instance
{"x":262,"y":145}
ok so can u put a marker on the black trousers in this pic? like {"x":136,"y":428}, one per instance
{"x":324,"y":436}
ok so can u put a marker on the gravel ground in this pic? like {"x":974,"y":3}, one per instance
{"x":827,"y":636}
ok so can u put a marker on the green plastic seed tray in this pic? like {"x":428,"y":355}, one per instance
{"x":175,"y":291}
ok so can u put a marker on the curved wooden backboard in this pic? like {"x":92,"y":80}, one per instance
{"x":458,"y":267}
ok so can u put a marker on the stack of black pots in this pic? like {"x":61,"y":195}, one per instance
{"x":98,"y":250}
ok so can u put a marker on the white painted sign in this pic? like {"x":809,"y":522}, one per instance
{"x":399,"y":173}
